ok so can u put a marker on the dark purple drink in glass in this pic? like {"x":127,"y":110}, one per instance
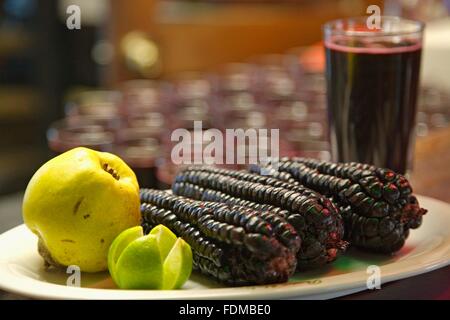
{"x":372,"y":84}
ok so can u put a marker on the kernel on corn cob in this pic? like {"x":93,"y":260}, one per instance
{"x":233,"y":244}
{"x":377,"y":204}
{"x":313,"y":216}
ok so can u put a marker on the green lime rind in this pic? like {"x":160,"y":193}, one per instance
{"x":158,"y":260}
{"x":140,"y":265}
{"x":119,"y":244}
{"x":177,"y":267}
{"x":166,"y":239}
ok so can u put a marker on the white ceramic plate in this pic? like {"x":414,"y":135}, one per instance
{"x":428,"y":248}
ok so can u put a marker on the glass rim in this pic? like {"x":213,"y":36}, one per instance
{"x":329,"y":27}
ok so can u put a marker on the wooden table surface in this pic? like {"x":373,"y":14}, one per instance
{"x":430,"y":177}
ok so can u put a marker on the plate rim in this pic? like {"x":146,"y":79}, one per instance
{"x":40,"y":289}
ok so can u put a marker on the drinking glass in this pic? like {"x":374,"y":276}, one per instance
{"x":372,"y":76}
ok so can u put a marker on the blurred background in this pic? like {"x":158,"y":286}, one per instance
{"x":138,"y":69}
